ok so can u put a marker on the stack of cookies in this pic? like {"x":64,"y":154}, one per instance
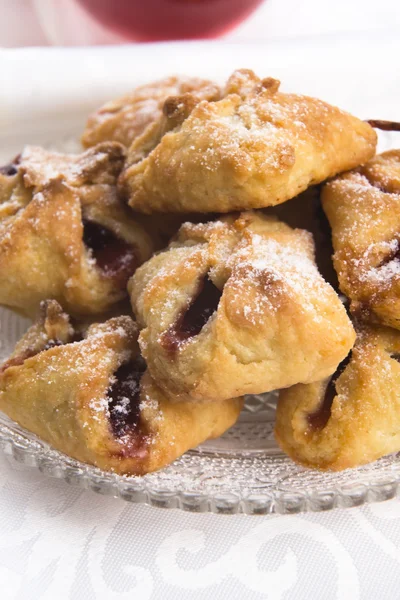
{"x":184,"y":259}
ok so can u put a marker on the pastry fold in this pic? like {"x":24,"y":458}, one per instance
{"x":88,"y":394}
{"x":124,"y":119}
{"x":351,"y":418}
{"x":255,"y":147}
{"x":237,"y":306}
{"x":65,"y":233}
{"x":363,"y":208}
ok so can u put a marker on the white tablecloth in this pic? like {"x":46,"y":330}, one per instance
{"x":58,"y":542}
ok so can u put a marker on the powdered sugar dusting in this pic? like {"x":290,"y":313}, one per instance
{"x":382,"y":274}
{"x":286,"y":268}
{"x":99,"y":409}
{"x":365,"y":232}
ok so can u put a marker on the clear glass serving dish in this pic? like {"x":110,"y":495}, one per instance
{"x":243,"y":471}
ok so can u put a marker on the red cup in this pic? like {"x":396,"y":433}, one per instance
{"x":151,"y":20}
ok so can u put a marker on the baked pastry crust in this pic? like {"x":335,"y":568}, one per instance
{"x":255,"y":147}
{"x":124,"y":119}
{"x":352,"y":418}
{"x":64,"y":232}
{"x":363,"y":208}
{"x":87,"y":395}
{"x":237,"y":306}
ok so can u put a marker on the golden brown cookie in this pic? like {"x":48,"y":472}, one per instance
{"x":124,"y":119}
{"x":255,"y":147}
{"x":64,"y":232}
{"x":363,"y":208}
{"x":90,"y":396}
{"x":238,"y":306}
{"x":351,"y":418}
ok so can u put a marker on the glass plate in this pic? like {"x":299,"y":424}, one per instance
{"x":243,"y":471}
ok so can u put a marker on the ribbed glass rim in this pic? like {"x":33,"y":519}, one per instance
{"x":372,"y":483}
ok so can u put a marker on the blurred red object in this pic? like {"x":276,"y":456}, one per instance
{"x":151,"y":20}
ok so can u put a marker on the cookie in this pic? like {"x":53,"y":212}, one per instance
{"x":255,"y":147}
{"x":351,"y":418}
{"x":363,"y":208}
{"x":237,"y":306}
{"x":89,"y":395}
{"x":124,"y":119}
{"x":65,"y":233}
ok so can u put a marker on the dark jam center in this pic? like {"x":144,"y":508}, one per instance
{"x":9,"y":170}
{"x":195,"y":316}
{"x":200,"y":310}
{"x":114,"y":257}
{"x":12,"y":168}
{"x":52,"y":344}
{"x":394,"y":255}
{"x":124,"y":398}
{"x":320,"y":418}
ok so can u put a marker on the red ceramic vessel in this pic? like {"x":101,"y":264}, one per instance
{"x":151,"y":20}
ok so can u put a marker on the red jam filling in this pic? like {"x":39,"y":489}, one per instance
{"x":12,"y":168}
{"x":195,"y":316}
{"x":116,"y":258}
{"x":319,"y":419}
{"x":124,"y":398}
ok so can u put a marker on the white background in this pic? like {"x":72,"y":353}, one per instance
{"x":59,"y":542}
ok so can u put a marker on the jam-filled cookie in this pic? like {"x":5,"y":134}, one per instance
{"x":123,"y":119}
{"x":89,"y":395}
{"x":65,"y":233}
{"x":255,"y":147}
{"x":363,"y":208}
{"x":238,"y":306}
{"x":351,"y":418}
